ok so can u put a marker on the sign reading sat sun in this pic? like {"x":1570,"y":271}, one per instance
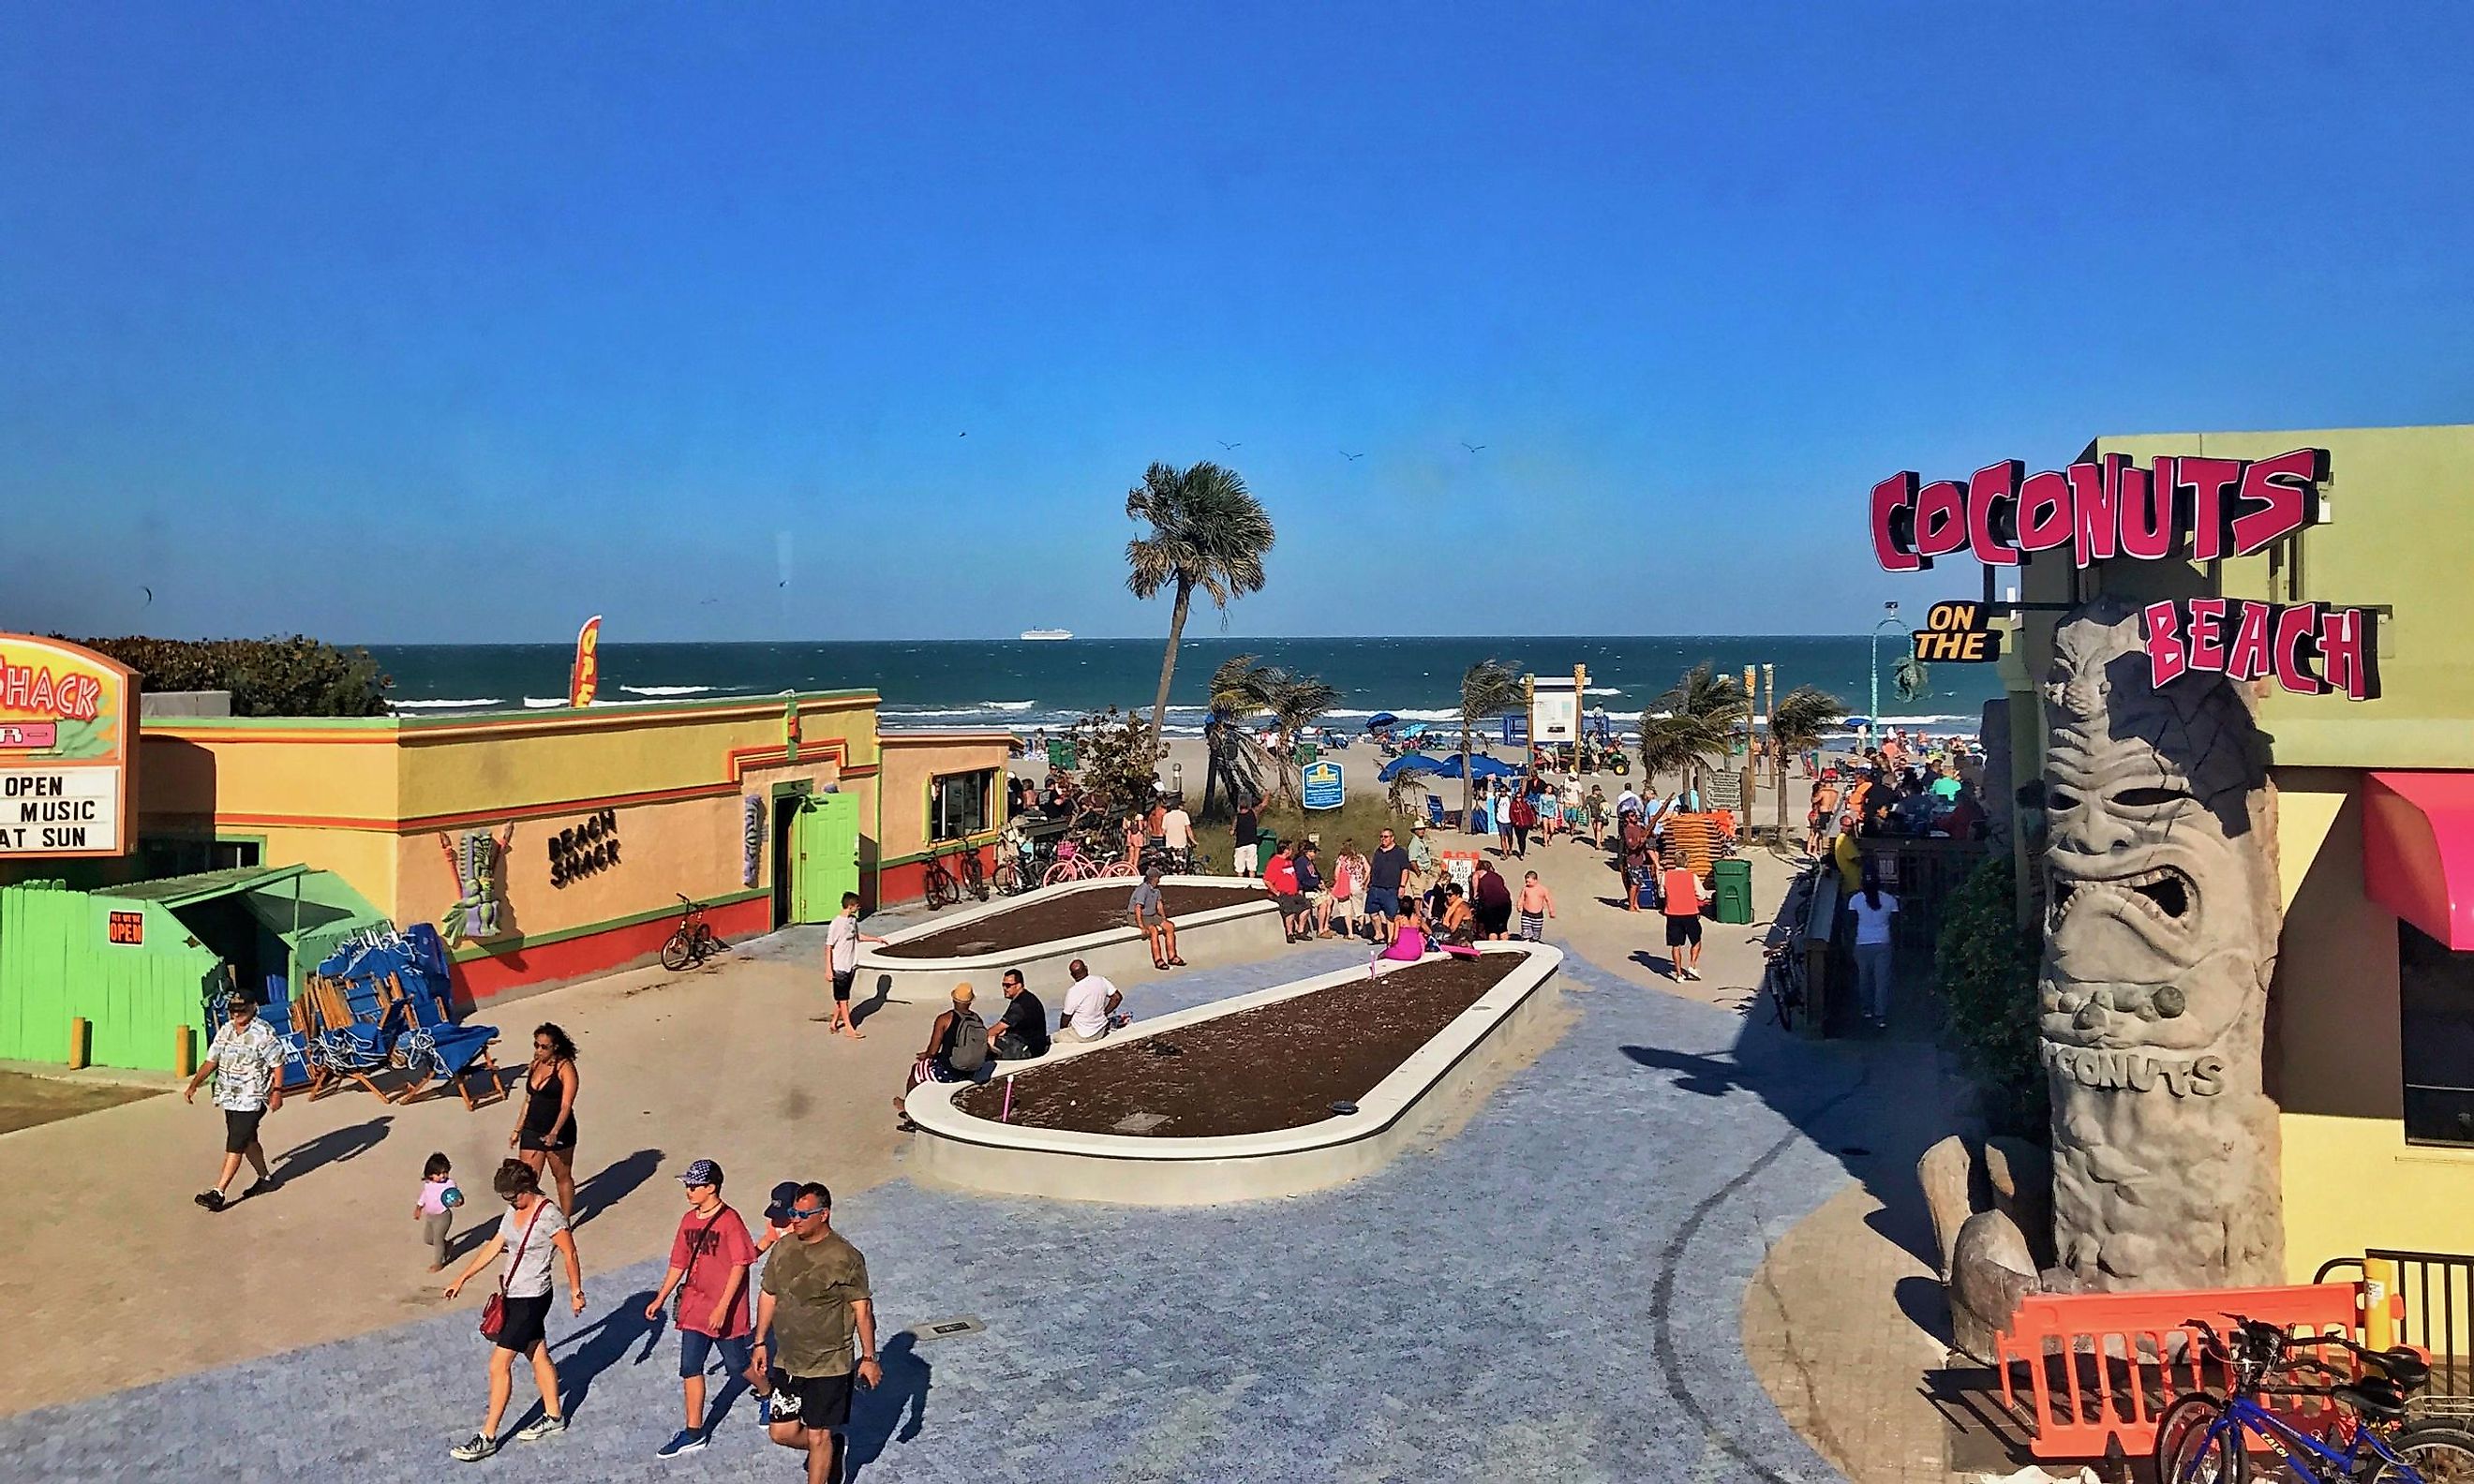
{"x":67,"y":740}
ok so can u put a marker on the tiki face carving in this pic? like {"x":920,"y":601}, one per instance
{"x":2162,"y":870}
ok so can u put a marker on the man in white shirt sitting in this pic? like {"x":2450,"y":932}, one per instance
{"x":1091,"y":1004}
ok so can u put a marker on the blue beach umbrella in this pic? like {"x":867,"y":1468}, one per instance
{"x":1380,"y":720}
{"x":1481,"y":766}
{"x":1417,"y":763}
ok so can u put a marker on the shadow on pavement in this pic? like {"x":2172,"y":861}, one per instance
{"x":332,"y":1147}
{"x":895,"y":1410}
{"x":598,"y":1346}
{"x":613,"y":1183}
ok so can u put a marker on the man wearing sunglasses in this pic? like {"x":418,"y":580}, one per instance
{"x":815,"y":1302}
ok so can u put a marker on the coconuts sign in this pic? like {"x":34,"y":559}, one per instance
{"x":67,"y":745}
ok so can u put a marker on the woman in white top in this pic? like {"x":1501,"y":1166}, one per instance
{"x":531,"y":1231}
{"x":1874,"y":908}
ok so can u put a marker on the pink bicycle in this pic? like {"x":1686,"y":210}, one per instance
{"x":1074,"y":865}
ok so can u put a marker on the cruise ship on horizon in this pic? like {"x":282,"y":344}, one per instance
{"x":1048,"y":634}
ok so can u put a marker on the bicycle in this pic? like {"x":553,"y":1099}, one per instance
{"x":1783,"y":979}
{"x":1074,"y":863}
{"x":692,"y":942}
{"x":2204,"y":1438}
{"x":944,"y":888}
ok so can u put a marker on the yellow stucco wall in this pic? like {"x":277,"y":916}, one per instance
{"x":911,"y":760}
{"x":2351,"y":1180}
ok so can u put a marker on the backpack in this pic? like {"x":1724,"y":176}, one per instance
{"x":970,"y":1050}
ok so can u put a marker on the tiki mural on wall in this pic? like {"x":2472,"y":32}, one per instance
{"x":2161,"y":926}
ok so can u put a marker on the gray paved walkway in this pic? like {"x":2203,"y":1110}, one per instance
{"x":1553,"y":1294}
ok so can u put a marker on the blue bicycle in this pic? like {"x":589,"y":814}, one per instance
{"x":2204,"y":1438}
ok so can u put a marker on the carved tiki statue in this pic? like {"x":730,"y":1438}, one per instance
{"x":2160,"y":940}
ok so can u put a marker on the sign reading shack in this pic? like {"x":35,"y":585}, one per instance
{"x":67,"y":741}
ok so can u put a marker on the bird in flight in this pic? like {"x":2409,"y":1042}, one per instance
{"x":1471,"y":448}
{"x":1350,"y":457}
{"x":150,"y":596}
{"x":965,"y":433}
{"x":1227,"y":445}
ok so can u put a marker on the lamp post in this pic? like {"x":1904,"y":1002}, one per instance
{"x":1889,"y":621}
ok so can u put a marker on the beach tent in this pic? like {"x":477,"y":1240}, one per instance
{"x":1417,"y":763}
{"x":1413,"y":729}
{"x":1481,"y":766}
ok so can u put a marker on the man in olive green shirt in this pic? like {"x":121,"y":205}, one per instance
{"x":816,"y":1300}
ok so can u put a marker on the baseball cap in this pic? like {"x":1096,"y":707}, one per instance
{"x":777,"y":1205}
{"x":702,"y":1172}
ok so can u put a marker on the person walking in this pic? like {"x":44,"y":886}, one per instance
{"x":841,"y":960}
{"x":709,"y":1261}
{"x":1683,"y":909}
{"x":434,"y":1208}
{"x":815,"y":1302}
{"x":1593,"y":809}
{"x":530,"y":1232}
{"x":545,"y":1129}
{"x":1492,"y":896}
{"x":1874,"y":951}
{"x":1499,"y":808}
{"x":1537,"y":905}
{"x":247,"y":1063}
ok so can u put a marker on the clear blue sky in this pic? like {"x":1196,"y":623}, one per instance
{"x":455,"y":322}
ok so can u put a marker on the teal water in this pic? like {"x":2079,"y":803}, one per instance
{"x":1030,"y":684}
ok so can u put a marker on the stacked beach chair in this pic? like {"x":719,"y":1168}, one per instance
{"x":381,"y":1002}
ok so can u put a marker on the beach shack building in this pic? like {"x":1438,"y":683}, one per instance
{"x":549,"y":845}
{"x":2368,"y":1052}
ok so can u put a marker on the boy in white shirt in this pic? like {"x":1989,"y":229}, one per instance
{"x":841,"y":956}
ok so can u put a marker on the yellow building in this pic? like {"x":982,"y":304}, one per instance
{"x":566,"y":839}
{"x":2371,"y":1042}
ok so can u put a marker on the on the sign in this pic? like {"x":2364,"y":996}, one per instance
{"x":127,"y":927}
{"x":1957,"y":634}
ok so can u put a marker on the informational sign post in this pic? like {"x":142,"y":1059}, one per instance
{"x":1326,"y":784}
{"x":1555,"y":707}
{"x":67,"y":744}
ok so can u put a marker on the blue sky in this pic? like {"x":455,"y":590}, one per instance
{"x":393,"y":324}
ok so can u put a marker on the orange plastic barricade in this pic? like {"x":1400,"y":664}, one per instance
{"x":2100,"y":1366}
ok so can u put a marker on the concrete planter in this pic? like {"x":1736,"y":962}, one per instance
{"x":1239,"y":933}
{"x":1515,"y":1019}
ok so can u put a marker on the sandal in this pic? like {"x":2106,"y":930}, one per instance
{"x":1176,"y":963}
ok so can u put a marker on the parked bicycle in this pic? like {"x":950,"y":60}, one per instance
{"x":2205,"y":1439}
{"x":945,"y":886}
{"x":692,"y":942}
{"x":1076,"y":862}
{"x":1783,"y":979}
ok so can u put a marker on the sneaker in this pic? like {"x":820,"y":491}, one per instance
{"x":474,"y":1452}
{"x":211,"y":1200}
{"x":267,"y":1187}
{"x":684,"y":1441}
{"x":545,"y":1426}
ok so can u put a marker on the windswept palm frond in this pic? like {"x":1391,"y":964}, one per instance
{"x":1207,"y":532}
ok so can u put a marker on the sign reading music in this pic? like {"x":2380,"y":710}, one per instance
{"x":65,"y":749}
{"x":2188,"y":506}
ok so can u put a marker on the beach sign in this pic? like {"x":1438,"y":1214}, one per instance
{"x":67,"y":747}
{"x":584,"y":676}
{"x":1326,"y":784}
{"x":1958,"y":634}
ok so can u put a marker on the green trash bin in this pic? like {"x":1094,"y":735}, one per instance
{"x":1731,"y":889}
{"x":1305,"y":752}
{"x":1266,"y":846}
{"x":1061,"y":753}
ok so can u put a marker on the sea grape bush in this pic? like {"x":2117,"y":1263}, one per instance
{"x":270,"y":676}
{"x":1987,"y":969}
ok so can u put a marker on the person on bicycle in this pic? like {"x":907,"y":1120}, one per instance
{"x":841,"y":957}
{"x":1150,"y":914}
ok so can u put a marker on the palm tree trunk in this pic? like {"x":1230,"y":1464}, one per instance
{"x":1468,"y":781}
{"x":1168,"y":661}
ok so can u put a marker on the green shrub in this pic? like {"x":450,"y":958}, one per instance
{"x":270,"y":676}
{"x":1987,"y":969}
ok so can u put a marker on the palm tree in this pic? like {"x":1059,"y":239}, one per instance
{"x":1243,"y":686}
{"x":1692,"y":723}
{"x":1235,"y":694}
{"x":1206,"y":532}
{"x":1295,"y":701}
{"x":1489,"y":688}
{"x":1802,"y":715}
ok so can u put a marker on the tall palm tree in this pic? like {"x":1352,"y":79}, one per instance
{"x":1295,"y":701}
{"x":1803,"y":716}
{"x":1691,"y":724}
{"x":1206,"y":532}
{"x":1489,"y":687}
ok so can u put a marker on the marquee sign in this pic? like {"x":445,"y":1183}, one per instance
{"x":2190,"y":508}
{"x":67,"y":743}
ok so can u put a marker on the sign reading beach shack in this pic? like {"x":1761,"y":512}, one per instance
{"x":2192,"y":508}
{"x":67,"y":743}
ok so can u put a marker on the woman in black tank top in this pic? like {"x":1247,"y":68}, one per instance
{"x":546,"y":1131}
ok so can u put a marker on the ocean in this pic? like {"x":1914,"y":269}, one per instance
{"x":1033,"y":684}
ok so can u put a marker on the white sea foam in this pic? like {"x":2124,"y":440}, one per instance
{"x":543,"y":702}
{"x":673,"y":690}
{"x":1603,"y":690}
{"x":1008,"y":705}
{"x":447,"y":705}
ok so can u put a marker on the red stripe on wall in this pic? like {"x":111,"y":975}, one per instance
{"x":479,"y":980}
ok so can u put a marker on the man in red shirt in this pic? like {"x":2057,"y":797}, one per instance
{"x":708,"y":1262}
{"x":1682,"y":919}
{"x":1281,"y":875}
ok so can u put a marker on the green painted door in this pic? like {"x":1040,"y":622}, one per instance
{"x":825,"y":855}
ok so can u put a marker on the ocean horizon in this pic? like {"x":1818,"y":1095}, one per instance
{"x":1033,"y":684}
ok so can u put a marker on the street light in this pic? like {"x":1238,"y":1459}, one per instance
{"x":1889,"y":621}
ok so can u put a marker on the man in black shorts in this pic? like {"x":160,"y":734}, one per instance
{"x":841,"y":956}
{"x":815,"y":1302}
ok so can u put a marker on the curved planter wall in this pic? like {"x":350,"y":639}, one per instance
{"x":1242,"y":933}
{"x":1516,"y":1016}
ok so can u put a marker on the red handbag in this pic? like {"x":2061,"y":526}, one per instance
{"x":494,"y":1313}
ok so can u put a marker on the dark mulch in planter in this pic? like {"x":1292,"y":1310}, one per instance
{"x":1069,"y":916}
{"x":1279,"y":1066}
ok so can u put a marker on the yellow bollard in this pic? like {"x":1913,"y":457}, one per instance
{"x":185,"y":1050}
{"x":2379,"y":1299}
{"x":81,"y":1043}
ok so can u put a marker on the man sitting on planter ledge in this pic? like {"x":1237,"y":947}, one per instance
{"x":1022,"y":1032}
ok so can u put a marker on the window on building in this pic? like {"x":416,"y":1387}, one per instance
{"x":159,"y":857}
{"x":957,"y":804}
{"x":2436,"y":993}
